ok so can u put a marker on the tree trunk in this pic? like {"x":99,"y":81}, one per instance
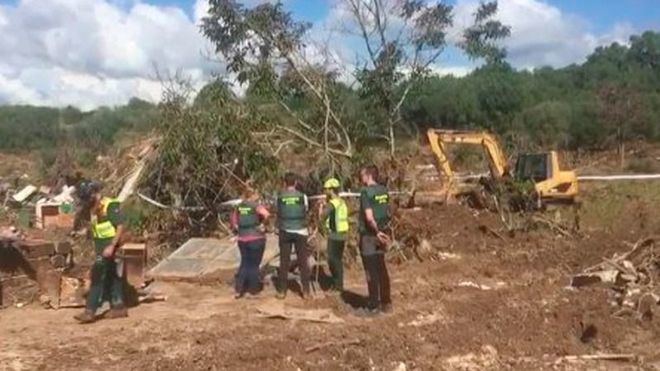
{"x":326,"y":130}
{"x":622,"y":148}
{"x":392,"y":139}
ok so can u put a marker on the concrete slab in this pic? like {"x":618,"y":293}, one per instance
{"x":201,"y":257}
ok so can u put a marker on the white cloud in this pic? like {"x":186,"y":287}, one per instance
{"x":200,"y":10}
{"x":60,"y":87}
{"x":102,"y":52}
{"x":456,"y":71}
{"x":94,"y":52}
{"x":542,"y":34}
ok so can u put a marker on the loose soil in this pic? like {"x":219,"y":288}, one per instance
{"x":467,"y":296}
{"x":468,"y":299}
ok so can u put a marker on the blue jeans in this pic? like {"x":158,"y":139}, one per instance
{"x":247,"y":277}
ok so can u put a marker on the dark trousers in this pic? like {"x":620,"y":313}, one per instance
{"x":288,"y":241}
{"x":336,"y":262}
{"x":106,"y":284}
{"x":378,"y":279}
{"x":247,"y":277}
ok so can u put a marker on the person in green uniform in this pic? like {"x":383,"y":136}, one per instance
{"x":247,"y":220}
{"x":373,"y":224}
{"x":335,"y":214}
{"x":292,"y":208}
{"x":107,"y":229}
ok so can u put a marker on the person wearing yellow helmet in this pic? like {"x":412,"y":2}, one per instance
{"x":335,"y":214}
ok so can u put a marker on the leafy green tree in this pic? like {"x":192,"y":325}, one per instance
{"x":546,"y":124}
{"x":212,"y":93}
{"x":621,"y":114}
{"x":402,"y":40}
{"x":645,"y":50}
{"x":257,"y":42}
{"x":26,"y":127}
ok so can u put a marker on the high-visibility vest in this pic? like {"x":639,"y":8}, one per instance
{"x":104,"y":229}
{"x":338,"y":221}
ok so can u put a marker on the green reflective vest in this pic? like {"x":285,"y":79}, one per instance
{"x":338,"y":220}
{"x":376,"y":198}
{"x":248,"y":219}
{"x":291,"y":210}
{"x":103,"y":228}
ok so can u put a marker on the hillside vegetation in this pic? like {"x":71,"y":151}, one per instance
{"x":614,"y":96}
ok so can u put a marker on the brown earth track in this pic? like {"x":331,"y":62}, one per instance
{"x":526,"y":320}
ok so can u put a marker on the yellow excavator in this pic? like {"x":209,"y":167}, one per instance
{"x":551,"y":184}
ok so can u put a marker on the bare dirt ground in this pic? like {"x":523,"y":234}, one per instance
{"x":520,"y":315}
{"x":466,"y":299}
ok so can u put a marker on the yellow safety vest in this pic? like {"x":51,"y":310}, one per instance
{"x":341,"y":216}
{"x":105,"y":229}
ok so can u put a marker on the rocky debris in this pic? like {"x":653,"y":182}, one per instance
{"x":72,"y":292}
{"x":279,"y":310}
{"x":596,"y":357}
{"x":426,"y":319}
{"x":33,"y":206}
{"x":632,"y":277}
{"x":495,"y":286}
{"x":486,"y":359}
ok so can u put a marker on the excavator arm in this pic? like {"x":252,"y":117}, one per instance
{"x":497,"y":161}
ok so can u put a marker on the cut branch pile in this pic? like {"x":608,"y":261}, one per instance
{"x":633,"y":277}
{"x":206,"y":155}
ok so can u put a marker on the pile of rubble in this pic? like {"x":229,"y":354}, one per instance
{"x":40,"y":207}
{"x":633,"y":278}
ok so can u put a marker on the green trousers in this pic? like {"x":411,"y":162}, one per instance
{"x":106,"y":284}
{"x":336,"y":262}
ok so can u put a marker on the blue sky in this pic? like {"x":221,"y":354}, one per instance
{"x":601,"y":14}
{"x":605,"y":13}
{"x":103,"y":52}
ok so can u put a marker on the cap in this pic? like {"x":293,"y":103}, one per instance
{"x":87,"y":188}
{"x":331,"y":183}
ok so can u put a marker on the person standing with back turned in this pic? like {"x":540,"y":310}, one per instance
{"x":247,"y":220}
{"x":335,"y":214}
{"x":374,"y":220}
{"x":291,"y":215}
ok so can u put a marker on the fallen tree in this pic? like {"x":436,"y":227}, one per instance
{"x":207,"y":154}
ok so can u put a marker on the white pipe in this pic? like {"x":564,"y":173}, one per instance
{"x":619,"y":177}
{"x":237,"y":201}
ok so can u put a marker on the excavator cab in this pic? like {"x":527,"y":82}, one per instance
{"x":551,"y":183}
{"x":533,"y":167}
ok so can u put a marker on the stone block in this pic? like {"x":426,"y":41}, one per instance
{"x":36,"y":248}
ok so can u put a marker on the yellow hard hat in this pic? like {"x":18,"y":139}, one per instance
{"x":331,"y":183}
